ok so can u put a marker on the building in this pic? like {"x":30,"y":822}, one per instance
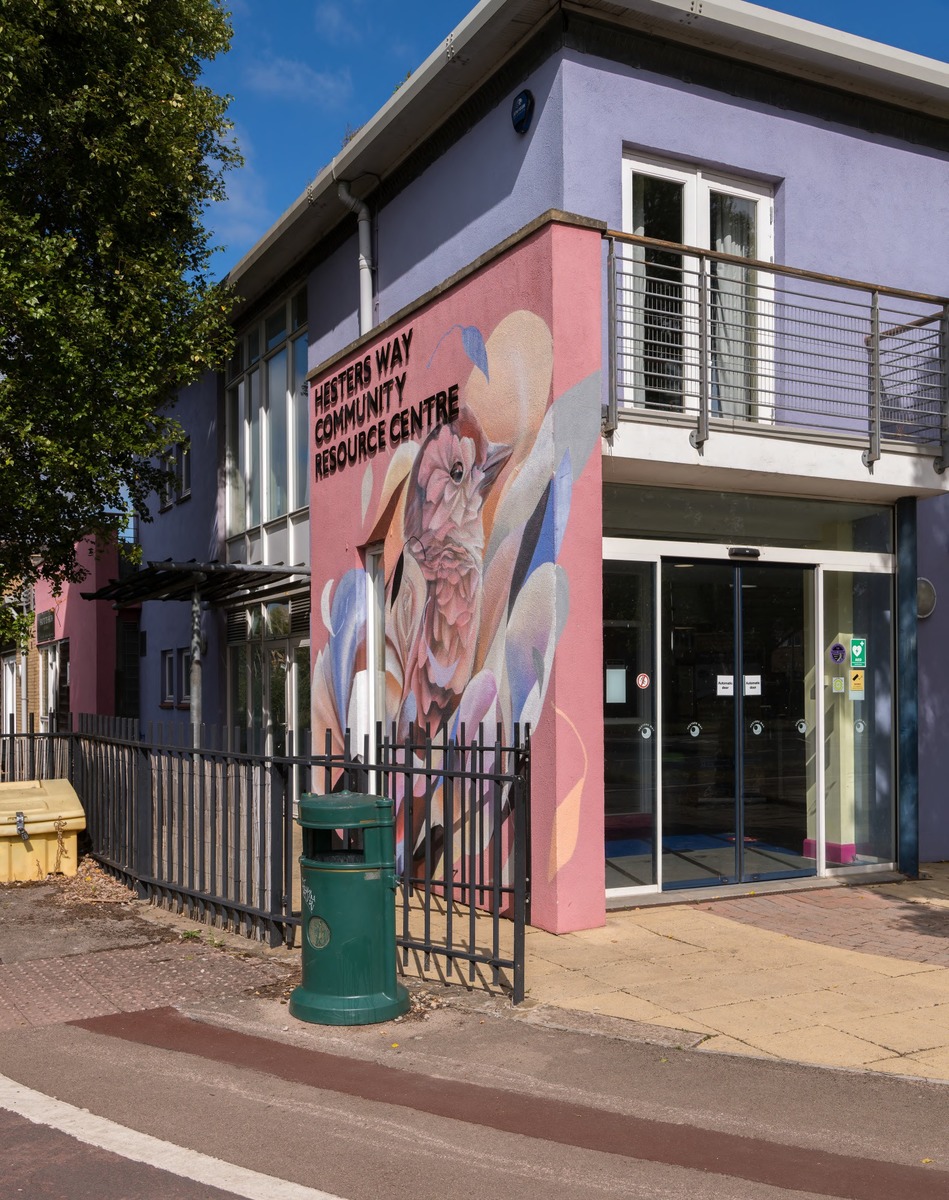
{"x":81,"y":658}
{"x":625,"y":336}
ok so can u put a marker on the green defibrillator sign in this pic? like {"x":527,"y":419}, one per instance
{"x":858,"y":652}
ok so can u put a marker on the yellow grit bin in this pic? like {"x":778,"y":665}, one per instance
{"x":39,"y":820}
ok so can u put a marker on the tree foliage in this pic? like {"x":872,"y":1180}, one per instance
{"x":111,"y":150}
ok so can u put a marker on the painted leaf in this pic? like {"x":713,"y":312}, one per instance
{"x":475,"y":348}
{"x":349,"y":628}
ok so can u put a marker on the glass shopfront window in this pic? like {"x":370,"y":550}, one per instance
{"x":859,"y":718}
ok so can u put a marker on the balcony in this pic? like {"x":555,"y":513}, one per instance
{"x":729,"y":343}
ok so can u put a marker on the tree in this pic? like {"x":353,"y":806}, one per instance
{"x":110,"y":151}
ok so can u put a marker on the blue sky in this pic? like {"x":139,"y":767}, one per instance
{"x":304,"y":72}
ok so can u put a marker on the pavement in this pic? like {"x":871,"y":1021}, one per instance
{"x":850,"y":976}
{"x":853,"y":976}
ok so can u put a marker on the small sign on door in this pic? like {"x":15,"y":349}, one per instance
{"x":725,"y":685}
{"x":615,"y":685}
{"x":752,"y":685}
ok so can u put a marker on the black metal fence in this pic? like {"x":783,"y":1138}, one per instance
{"x":210,"y":831}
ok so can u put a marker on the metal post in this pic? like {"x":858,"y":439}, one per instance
{"x":196,"y":663}
{"x":699,"y":436}
{"x":876,"y":389}
{"x":943,"y":460}
{"x":610,"y":415}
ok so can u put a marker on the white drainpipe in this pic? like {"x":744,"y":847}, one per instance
{"x":361,"y":209}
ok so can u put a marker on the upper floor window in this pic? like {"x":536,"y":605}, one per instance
{"x":178,"y":483}
{"x":675,"y":303}
{"x":267,"y":442}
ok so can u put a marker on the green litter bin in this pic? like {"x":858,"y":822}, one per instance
{"x":348,"y":912}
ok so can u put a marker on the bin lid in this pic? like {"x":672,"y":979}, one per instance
{"x":39,"y":800}
{"x":344,"y":810}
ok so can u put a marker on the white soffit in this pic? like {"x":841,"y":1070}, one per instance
{"x":791,"y":44}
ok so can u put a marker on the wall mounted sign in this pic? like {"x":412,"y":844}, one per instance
{"x":615,"y":685}
{"x":838,"y":653}
{"x":752,"y":685}
{"x":858,"y":652}
{"x":725,"y":685}
{"x":522,"y":110}
{"x":46,"y":625}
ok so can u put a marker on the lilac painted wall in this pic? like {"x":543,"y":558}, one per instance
{"x":933,"y":564}
{"x":486,"y":186}
{"x":845,"y":204}
{"x":866,"y":218}
{"x":189,"y":529}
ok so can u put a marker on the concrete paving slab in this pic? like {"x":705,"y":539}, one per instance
{"x":908,"y":1066}
{"x":822,"y":997}
{"x":619,"y":1004}
{"x":818,"y":1044}
{"x":722,"y":1044}
{"x":905,"y":1032}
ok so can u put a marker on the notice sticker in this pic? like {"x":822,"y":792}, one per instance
{"x":642,"y":681}
{"x":856,"y":683}
{"x":858,"y":652}
{"x":752,"y":685}
{"x":615,"y":685}
{"x":837,"y":686}
{"x":725,"y":685}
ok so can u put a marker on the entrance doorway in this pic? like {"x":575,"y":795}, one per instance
{"x":710,"y":759}
{"x":735,"y":657}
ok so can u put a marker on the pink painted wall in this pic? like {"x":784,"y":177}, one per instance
{"x":90,"y":627}
{"x":480,"y":473}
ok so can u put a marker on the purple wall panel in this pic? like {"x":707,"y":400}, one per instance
{"x":187,"y":530}
{"x":844,"y":204}
{"x":489,"y":184}
{"x":933,"y":564}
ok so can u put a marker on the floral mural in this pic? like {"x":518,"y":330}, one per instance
{"x":471,"y":513}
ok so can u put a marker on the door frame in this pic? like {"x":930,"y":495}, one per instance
{"x":626,"y":549}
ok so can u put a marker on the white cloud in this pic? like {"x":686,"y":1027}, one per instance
{"x":291,"y":79}
{"x":333,"y":25}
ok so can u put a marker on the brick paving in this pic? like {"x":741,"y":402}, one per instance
{"x":55,"y":990}
{"x":849,"y":918}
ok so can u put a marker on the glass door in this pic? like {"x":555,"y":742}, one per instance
{"x":630,"y":734}
{"x":738,"y":796}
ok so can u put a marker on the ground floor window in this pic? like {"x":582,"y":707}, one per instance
{"x":269,"y":674}
{"x":54,"y":685}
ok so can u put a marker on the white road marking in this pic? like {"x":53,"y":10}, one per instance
{"x":143,"y":1148}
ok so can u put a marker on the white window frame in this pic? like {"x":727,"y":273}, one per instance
{"x":253,"y":507}
{"x":184,"y":677}
{"x":166,"y":682}
{"x":698,"y":184}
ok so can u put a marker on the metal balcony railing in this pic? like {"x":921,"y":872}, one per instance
{"x":736,"y":342}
